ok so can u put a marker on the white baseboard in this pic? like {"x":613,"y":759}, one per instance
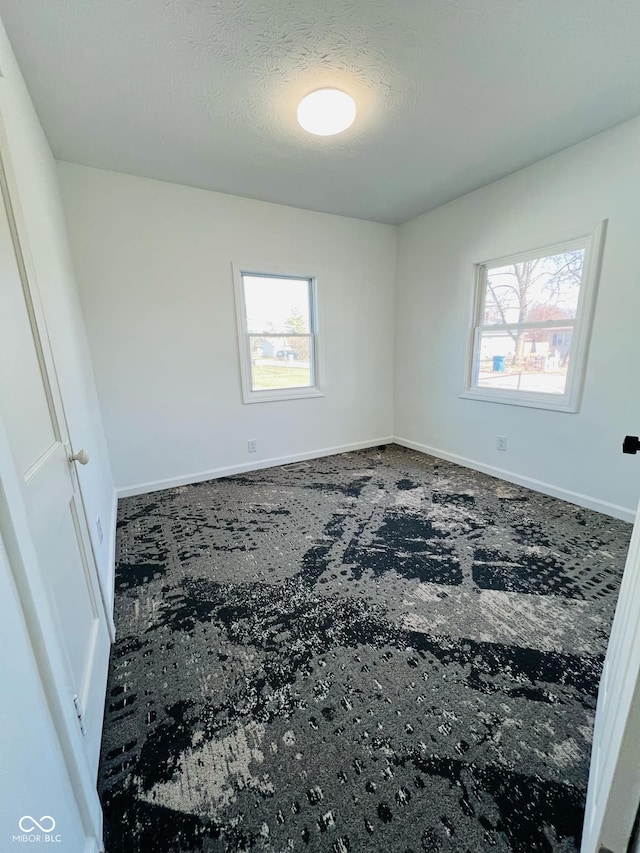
{"x":585,"y":501}
{"x":229,"y":471}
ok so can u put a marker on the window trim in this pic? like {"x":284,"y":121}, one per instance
{"x":591,"y":238}
{"x":243,"y":336}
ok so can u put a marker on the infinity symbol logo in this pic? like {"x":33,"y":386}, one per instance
{"x":45,"y":824}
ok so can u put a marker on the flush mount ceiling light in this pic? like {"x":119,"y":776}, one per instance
{"x":326,"y":112}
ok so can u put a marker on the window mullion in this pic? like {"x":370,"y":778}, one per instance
{"x":541,"y":324}
{"x":280,"y":334}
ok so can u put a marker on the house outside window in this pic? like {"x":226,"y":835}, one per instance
{"x":277,"y":335}
{"x":532,"y":319}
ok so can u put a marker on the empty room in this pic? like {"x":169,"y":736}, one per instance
{"x":319,"y":422}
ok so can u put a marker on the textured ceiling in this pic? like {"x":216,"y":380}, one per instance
{"x":452,"y":94}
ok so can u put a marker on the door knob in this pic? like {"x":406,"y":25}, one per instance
{"x":81,"y":456}
{"x":631,"y":444}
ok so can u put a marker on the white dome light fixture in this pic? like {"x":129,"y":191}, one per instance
{"x":326,"y":112}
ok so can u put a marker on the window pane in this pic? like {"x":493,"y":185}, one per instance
{"x":536,"y":290}
{"x":277,"y":305}
{"x":278,"y":361}
{"x":525,"y":360}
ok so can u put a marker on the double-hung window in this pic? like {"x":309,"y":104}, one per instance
{"x":532,"y":319}
{"x":278,"y":335}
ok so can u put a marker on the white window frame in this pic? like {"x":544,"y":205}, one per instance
{"x":244,"y":347}
{"x":591,"y":239}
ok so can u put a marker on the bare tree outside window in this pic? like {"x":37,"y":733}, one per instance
{"x":531,"y":323}
{"x":525,"y":305}
{"x":295,"y":324}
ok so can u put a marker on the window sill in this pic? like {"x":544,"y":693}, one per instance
{"x":531,"y":400}
{"x":285,"y":394}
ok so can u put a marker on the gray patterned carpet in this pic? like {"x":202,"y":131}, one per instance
{"x":377,"y":651}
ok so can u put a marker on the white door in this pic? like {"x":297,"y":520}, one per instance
{"x":33,"y":416}
{"x":614,"y":777}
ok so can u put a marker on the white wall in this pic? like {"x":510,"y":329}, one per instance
{"x":39,"y":198}
{"x":569,"y":453}
{"x":153,"y":262}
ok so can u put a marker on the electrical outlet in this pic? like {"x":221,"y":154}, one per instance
{"x":99,"y":529}
{"x":252,"y":445}
{"x":501,"y":442}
